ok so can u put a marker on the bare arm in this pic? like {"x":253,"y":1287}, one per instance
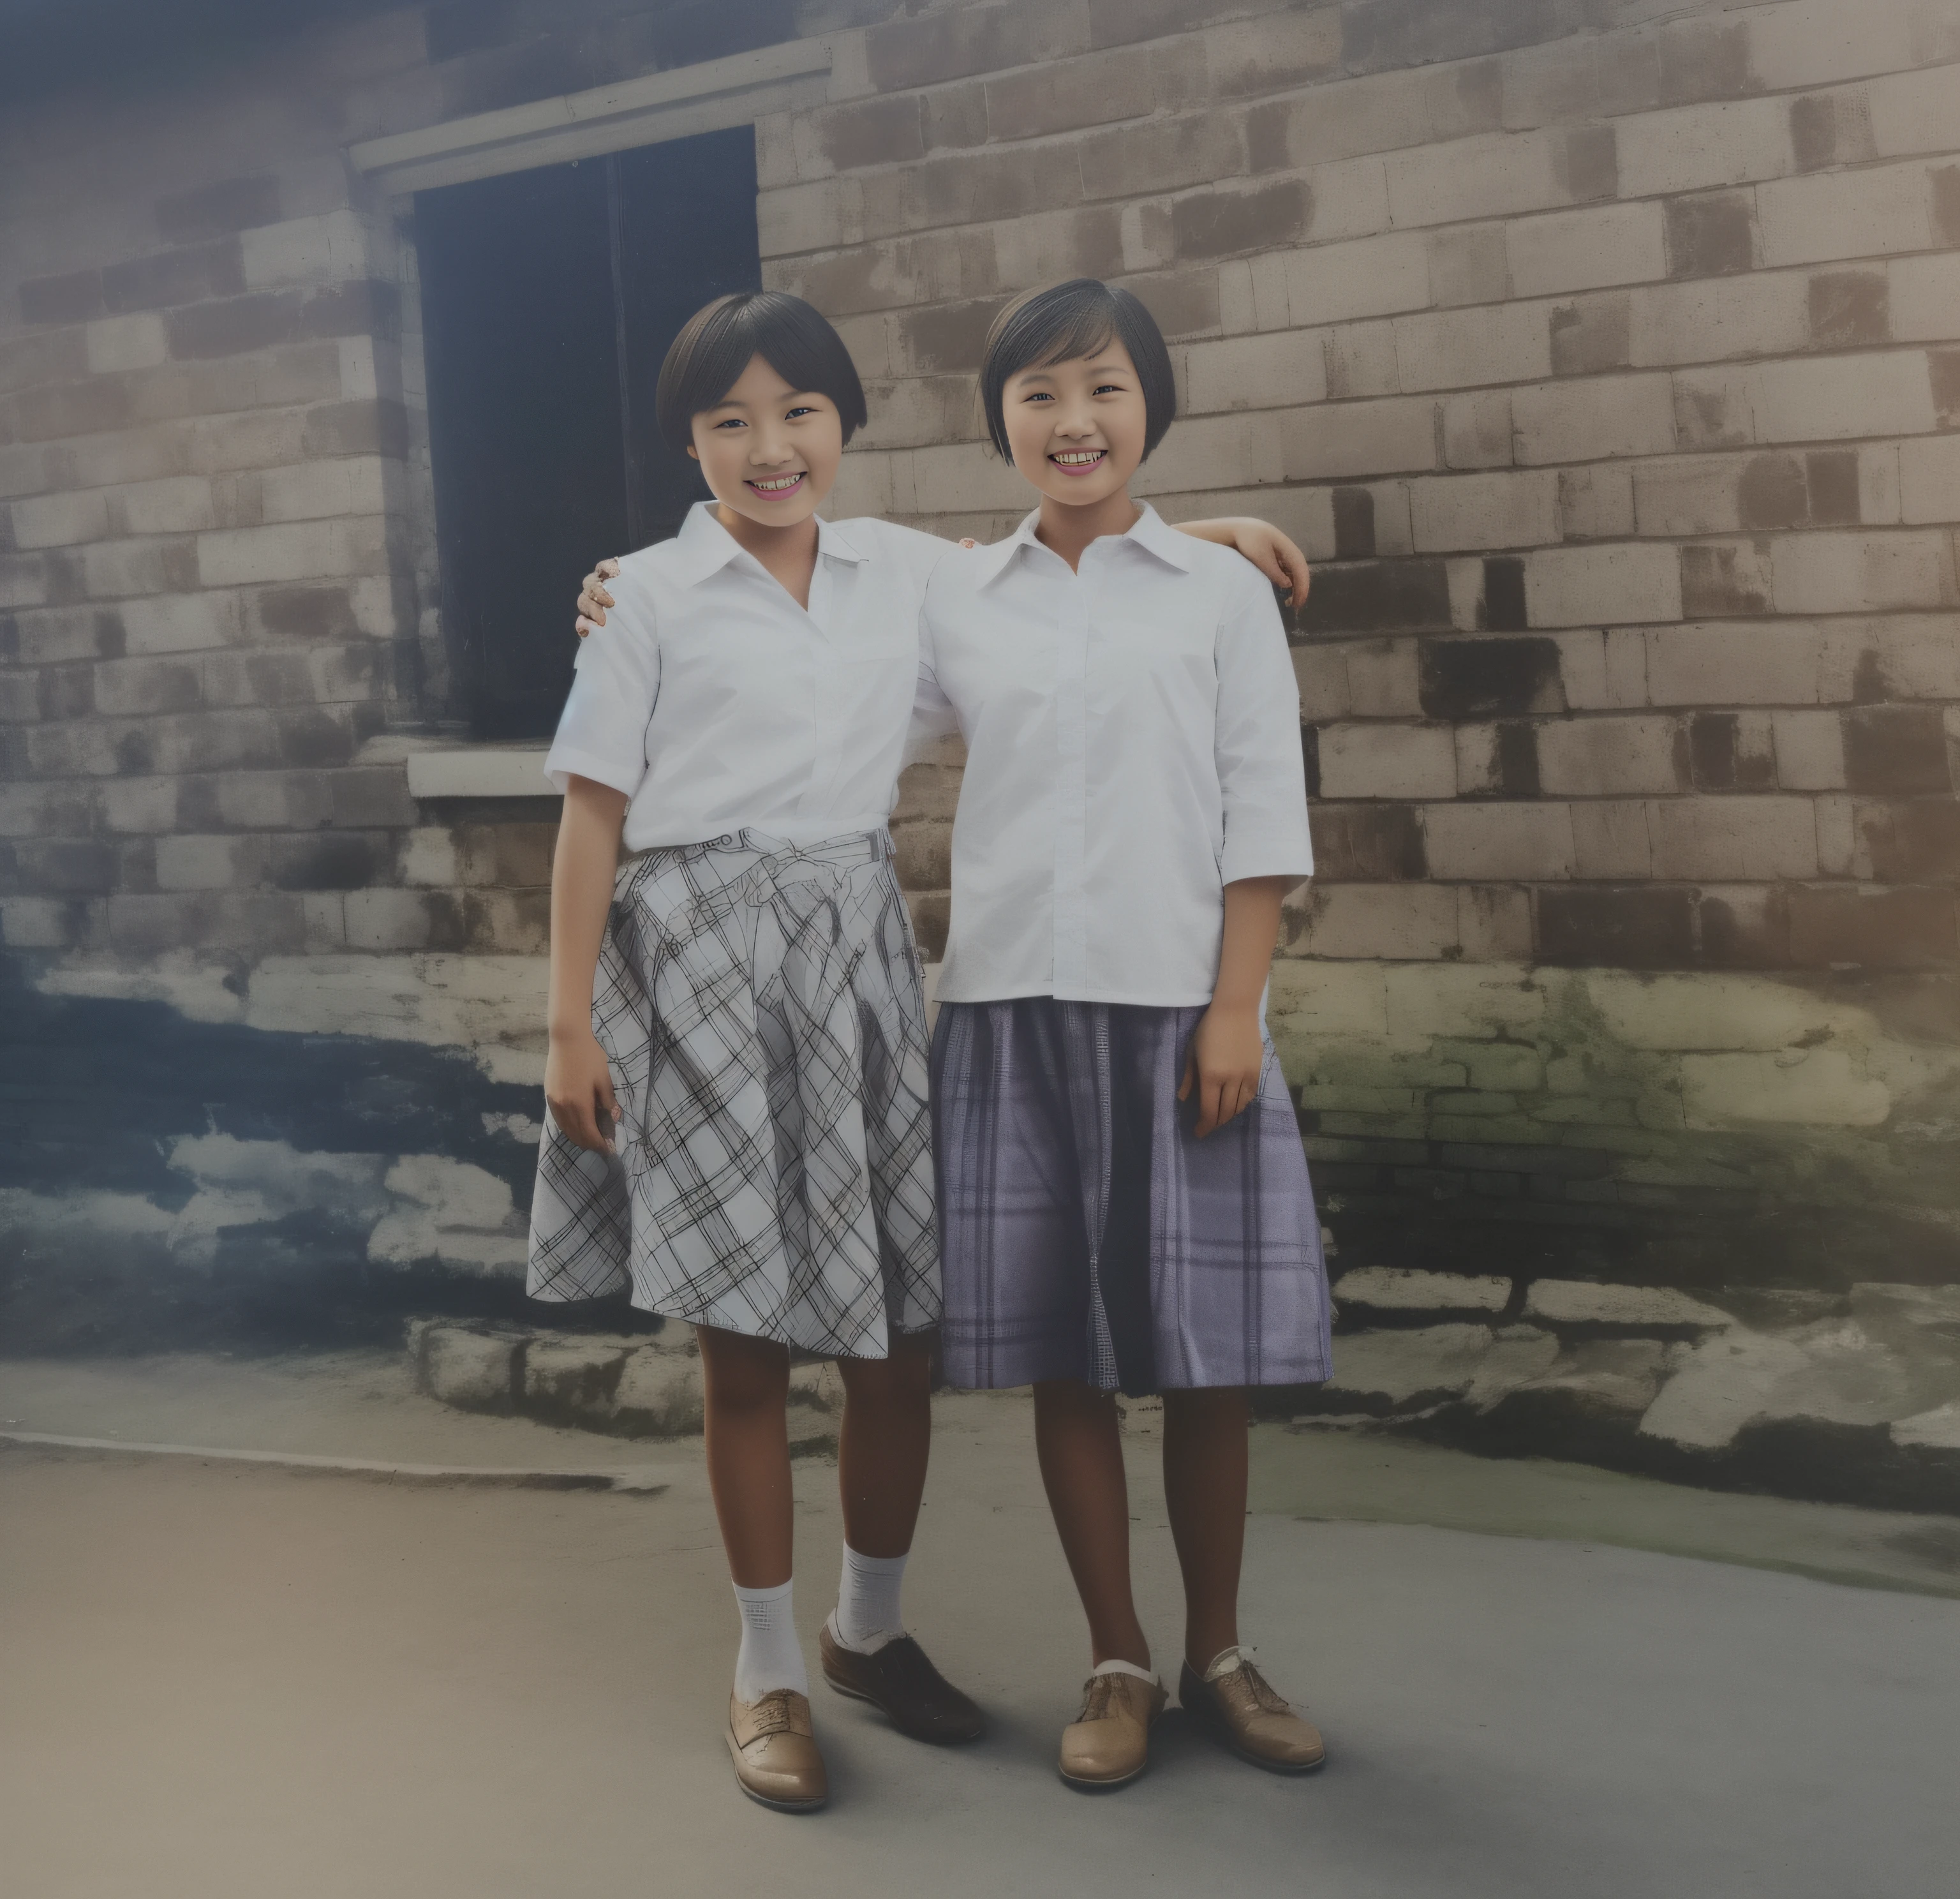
{"x":578,"y":1085}
{"x":1227,"y":1051}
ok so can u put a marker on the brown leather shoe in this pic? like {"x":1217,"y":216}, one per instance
{"x":776,"y":1757}
{"x":1240,"y":1710}
{"x":899,"y":1679}
{"x":1108,"y":1744}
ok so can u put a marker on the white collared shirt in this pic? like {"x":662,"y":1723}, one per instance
{"x":716,"y":703}
{"x":1133,"y":746}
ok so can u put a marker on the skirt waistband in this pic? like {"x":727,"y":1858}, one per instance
{"x":767,"y":852}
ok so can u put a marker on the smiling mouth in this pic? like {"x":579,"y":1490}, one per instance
{"x":1079,"y":461}
{"x":776,"y":485}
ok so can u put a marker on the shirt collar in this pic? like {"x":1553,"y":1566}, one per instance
{"x":1148,"y":532}
{"x":704,"y":546}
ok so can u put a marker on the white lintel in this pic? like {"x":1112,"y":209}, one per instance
{"x":676,"y":104}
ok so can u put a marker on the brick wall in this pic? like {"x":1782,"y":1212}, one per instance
{"x":1604,"y":354}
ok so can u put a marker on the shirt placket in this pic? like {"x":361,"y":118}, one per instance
{"x":827,"y":736}
{"x":1071,"y":801}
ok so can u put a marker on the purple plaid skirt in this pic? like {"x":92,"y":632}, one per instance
{"x":1086,"y":1233}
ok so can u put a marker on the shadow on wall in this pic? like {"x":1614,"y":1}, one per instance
{"x":166,"y":1181}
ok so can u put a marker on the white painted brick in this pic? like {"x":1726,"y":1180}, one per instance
{"x":1610,"y":585}
{"x":1809,"y":751}
{"x":1607,"y":757}
{"x":135,"y":342}
{"x":1610,"y":838}
{"x":1476,"y":761}
{"x":1749,"y":838}
{"x":1342,"y":439}
{"x":1585,"y":420}
{"x":1820,"y":42}
{"x":1737,"y":142}
{"x":177,"y":504}
{"x":823,"y":215}
{"x":1829,"y":214}
{"x":195,"y":863}
{"x":1929,"y":479}
{"x":1269,"y":272}
{"x":1368,"y":277}
{"x":1382,"y":761}
{"x":1404,"y":922}
{"x":1459,"y":349}
{"x":1211,"y":451}
{"x":1237,"y":312}
{"x":1851,"y":573}
{"x":1278,"y":370}
{"x":1626,"y":666}
{"x":1468,"y":264}
{"x":863,"y":485}
{"x":1465,"y":581}
{"x":1695,"y":494}
{"x":1493,"y":176}
{"x":61,"y":520}
{"x":1450,"y":512}
{"x":1479,"y":431}
{"x":1321,"y":673}
{"x":1916,"y":656}
{"x":1714,"y":319}
{"x":1732,"y":663}
{"x":1839,"y":398}
{"x":1394,"y":533}
{"x":1925,"y":300}
{"x":1879,"y":496}
{"x":1360,"y":360}
{"x":954,"y":478}
{"x":328,"y":248}
{"x":1524,"y":842}
{"x":1914,"y":112}
{"x":291,"y":550}
{"x":1350,"y":199}
{"x":1595,"y":503}
{"x":1837,"y":838}
{"x":353,"y":485}
{"x":1587,"y":250}
{"x":1384,"y":678}
{"x":179,"y":622}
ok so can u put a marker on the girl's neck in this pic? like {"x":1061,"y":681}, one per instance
{"x":787,"y":554}
{"x":1068,"y":529}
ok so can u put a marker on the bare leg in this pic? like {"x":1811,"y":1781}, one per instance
{"x":1081,"y":1452}
{"x":748,"y":1383}
{"x":883,"y":1445}
{"x":1204,"y":1489}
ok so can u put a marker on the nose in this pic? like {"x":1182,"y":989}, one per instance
{"x":769,"y":446}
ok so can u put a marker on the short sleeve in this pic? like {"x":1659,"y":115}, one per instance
{"x":601,"y":732}
{"x":1261,"y":768}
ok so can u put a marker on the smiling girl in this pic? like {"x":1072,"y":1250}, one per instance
{"x":1123,"y":1199}
{"x":739,"y":1130}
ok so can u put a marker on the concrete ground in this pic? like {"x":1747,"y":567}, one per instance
{"x":228,"y":1679}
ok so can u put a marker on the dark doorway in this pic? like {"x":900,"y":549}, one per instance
{"x":548,"y":300}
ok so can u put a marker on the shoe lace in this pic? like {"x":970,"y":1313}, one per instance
{"x":771,"y":1715}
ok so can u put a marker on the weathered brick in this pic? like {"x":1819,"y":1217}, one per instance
{"x":1848,"y":307}
{"x":1184,"y":302}
{"x":1911,"y":841}
{"x":1598,"y":757}
{"x":1903,"y":929}
{"x":1386,"y":34}
{"x":1370,"y":595}
{"x":1594,"y":586}
{"x":1464,"y":678}
{"x":71,"y":298}
{"x":291,"y":550}
{"x":955,"y":44}
{"x":1896,"y":749}
{"x":1456,"y":349}
{"x":1229,"y":222}
{"x":1469,"y":264}
{"x":185,"y":276}
{"x":1587,"y":250}
{"x":1610,"y":840}
{"x":1479,"y":431}
{"x":1592,"y":336}
{"x":1360,"y":438}
{"x":1734,"y":142}
{"x":1158,"y":155}
{"x":1845,"y":573}
{"x":1731,"y":752}
{"x":1809,"y":751}
{"x":1830,"y":129}
{"x":1744,"y":838}
{"x":1595,"y":503}
{"x":1035,"y":100}
{"x":1711,"y":320}
{"x":1582,"y":421}
{"x":1383,"y":678}
{"x":1366,"y":843}
{"x":1711,"y":236}
{"x":1404,"y":922}
{"x":1359,"y":359}
{"x":1526,"y":842}
{"x":1914,"y":112}
{"x":1382,"y":761}
{"x":1345,"y":119}
{"x":212,"y":211}
{"x":1929,"y":479}
{"x":1851,"y":214}
{"x":1278,"y":50}
{"x":1720,"y":580}
{"x":1275,"y":370}
{"x":1454,"y":182}
{"x":1490,"y":510}
{"x":864,"y":131}
{"x":1718,"y":665}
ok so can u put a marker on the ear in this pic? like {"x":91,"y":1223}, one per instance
{"x":695,"y":452}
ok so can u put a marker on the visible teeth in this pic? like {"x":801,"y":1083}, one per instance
{"x":774,"y":483}
{"x":1075,"y":455}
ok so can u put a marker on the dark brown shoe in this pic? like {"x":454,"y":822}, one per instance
{"x":777,"y":1760}
{"x":899,"y":1678}
{"x":1241,"y":1711}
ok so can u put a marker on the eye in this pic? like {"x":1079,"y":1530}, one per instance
{"x":1109,"y":389}
{"x":731,"y":422}
{"x":802,"y":409}
{"x":1037,"y":395}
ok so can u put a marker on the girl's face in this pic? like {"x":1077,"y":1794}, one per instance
{"x":1076,"y":427}
{"x":769,"y":452}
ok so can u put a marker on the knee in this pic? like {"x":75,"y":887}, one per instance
{"x":903,"y":1380}
{"x":1216,"y":1407}
{"x":740,"y":1382}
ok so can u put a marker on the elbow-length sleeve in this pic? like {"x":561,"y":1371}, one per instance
{"x":601,"y":732}
{"x":934,"y":717}
{"x":1262,"y":770}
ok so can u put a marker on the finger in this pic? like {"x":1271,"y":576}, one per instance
{"x":574,"y":1124}
{"x":584,"y":627}
{"x":599,"y":594}
{"x":1293,"y":563}
{"x":1190,"y":1074}
{"x":608,"y":569}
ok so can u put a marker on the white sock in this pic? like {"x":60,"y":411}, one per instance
{"x":771,"y":1657}
{"x":867,"y":1614}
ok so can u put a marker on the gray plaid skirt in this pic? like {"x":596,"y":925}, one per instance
{"x":1088,"y":1234}
{"x":760,"y":1004}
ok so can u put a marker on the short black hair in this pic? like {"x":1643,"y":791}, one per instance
{"x":1068,"y":320}
{"x":716,"y":343}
